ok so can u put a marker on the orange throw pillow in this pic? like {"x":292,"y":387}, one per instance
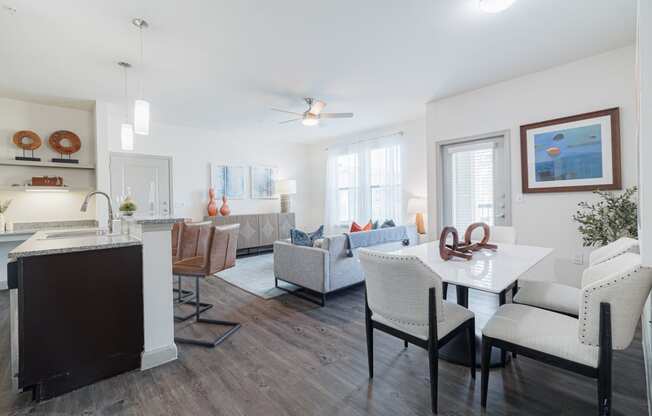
{"x":368,"y":227}
{"x":355,"y":228}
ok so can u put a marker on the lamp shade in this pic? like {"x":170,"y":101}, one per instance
{"x":416,"y":205}
{"x":141,"y":117}
{"x":126,"y":137}
{"x":286,"y":187}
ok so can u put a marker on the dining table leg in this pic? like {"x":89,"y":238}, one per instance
{"x":456,"y":350}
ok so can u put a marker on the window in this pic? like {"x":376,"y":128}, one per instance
{"x":347,"y":187}
{"x":385,"y":183}
{"x":363,"y":183}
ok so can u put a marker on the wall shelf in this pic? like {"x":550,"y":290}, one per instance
{"x":11,"y":162}
{"x":54,"y":189}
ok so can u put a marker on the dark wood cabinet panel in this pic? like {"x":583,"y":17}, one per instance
{"x":80,"y":318}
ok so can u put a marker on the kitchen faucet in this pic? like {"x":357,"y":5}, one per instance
{"x":84,"y":206}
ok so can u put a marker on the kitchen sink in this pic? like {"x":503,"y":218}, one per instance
{"x":73,"y":234}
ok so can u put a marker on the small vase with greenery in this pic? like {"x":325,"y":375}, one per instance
{"x":128,"y":207}
{"x":613,"y":216}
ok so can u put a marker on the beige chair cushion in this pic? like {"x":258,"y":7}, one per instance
{"x":551,"y":296}
{"x":454,"y":316}
{"x":540,"y":330}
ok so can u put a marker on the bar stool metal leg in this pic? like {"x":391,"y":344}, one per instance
{"x":198,"y":311}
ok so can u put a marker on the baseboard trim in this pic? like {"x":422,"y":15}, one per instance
{"x":159,"y":356}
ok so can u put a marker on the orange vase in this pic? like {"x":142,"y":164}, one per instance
{"x":212,"y":203}
{"x":225,"y":210}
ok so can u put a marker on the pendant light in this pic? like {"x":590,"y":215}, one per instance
{"x":126,"y":129}
{"x":141,"y":106}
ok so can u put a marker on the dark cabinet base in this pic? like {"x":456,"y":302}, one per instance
{"x":80,"y":318}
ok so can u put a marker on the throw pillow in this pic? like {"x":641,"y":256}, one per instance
{"x":368,"y":227}
{"x":355,"y":228}
{"x":375,"y":225}
{"x":302,"y":238}
{"x":388,"y":224}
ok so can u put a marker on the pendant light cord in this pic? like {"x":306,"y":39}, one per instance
{"x":126,"y":97}
{"x":142,"y":73}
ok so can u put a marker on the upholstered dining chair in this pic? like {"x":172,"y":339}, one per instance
{"x":563,"y":298}
{"x":403,"y":299}
{"x":498,"y":234}
{"x":612,"y":297}
{"x":203,"y":251}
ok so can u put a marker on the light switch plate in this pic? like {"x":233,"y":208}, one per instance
{"x":578,"y":259}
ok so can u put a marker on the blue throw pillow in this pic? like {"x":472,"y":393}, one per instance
{"x":388,"y":224}
{"x":302,"y":238}
{"x":375,"y":225}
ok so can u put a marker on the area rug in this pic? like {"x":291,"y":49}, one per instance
{"x":255,"y":274}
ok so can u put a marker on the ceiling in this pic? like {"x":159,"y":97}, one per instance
{"x":221,"y":64}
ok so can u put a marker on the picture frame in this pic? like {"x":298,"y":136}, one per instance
{"x":229,"y":180}
{"x":579,"y":153}
{"x":262,"y":182}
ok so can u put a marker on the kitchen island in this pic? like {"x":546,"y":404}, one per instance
{"x":87,"y":306}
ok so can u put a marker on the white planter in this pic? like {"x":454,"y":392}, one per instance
{"x":2,"y":223}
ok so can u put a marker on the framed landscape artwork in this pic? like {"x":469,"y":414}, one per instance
{"x":578,"y":153}
{"x":229,"y":181}
{"x":262,"y":182}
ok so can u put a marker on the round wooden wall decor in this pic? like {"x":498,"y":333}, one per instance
{"x":65,"y":142}
{"x":27,"y":140}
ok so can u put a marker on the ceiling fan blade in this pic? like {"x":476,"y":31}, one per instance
{"x":285,"y":111}
{"x":290,"y":121}
{"x":317,"y":107}
{"x":336,"y":115}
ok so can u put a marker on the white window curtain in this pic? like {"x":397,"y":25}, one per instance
{"x":363,"y":182}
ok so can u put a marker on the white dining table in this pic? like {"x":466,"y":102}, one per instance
{"x":490,"y":271}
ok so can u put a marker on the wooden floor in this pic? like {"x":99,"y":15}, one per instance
{"x":293,"y":358}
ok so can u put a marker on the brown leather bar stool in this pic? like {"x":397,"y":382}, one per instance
{"x":214,"y":249}
{"x":180,"y":294}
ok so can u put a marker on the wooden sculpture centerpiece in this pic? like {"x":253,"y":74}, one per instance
{"x":27,"y":140}
{"x":65,"y":142}
{"x":464,"y":250}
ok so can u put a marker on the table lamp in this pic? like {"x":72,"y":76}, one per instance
{"x":285,"y":188}
{"x":417,"y":206}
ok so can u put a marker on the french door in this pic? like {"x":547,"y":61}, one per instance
{"x":145,"y":178}
{"x":475,"y":183}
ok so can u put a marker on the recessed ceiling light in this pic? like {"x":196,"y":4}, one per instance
{"x":494,"y":6}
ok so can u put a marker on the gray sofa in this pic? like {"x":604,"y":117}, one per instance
{"x":326,"y":267}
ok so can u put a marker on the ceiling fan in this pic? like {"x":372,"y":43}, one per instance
{"x":313,"y":114}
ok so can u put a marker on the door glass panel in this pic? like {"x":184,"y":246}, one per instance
{"x":474,"y":187}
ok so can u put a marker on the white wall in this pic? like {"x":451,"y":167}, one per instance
{"x":194,"y":149}
{"x":413,"y":165}
{"x":43,"y":119}
{"x":595,"y":83}
{"x":644,"y":74}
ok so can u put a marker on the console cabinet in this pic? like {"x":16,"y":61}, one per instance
{"x":258,"y":231}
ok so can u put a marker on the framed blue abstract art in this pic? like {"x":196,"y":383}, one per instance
{"x":577,"y":153}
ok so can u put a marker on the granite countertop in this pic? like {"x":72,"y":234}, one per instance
{"x":70,"y":241}
{"x":162,"y":219}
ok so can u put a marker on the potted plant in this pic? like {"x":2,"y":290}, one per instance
{"x":3,"y":208}
{"x":613,"y":216}
{"x":128,"y":207}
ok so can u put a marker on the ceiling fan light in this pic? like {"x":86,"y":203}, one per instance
{"x":126,"y":137}
{"x":310,"y":121}
{"x":141,"y":117}
{"x":495,"y":6}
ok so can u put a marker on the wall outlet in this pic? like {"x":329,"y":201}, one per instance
{"x":578,"y":259}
